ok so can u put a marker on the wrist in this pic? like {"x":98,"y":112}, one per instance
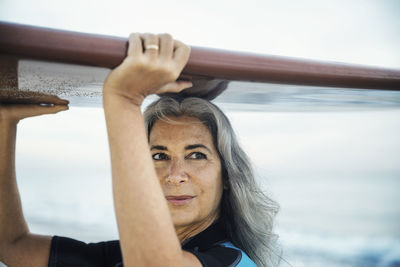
{"x":121,"y":99}
{"x":114,"y":103}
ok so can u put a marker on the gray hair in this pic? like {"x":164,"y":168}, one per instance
{"x":246,"y":211}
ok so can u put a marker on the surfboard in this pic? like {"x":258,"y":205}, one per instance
{"x":41,"y":65}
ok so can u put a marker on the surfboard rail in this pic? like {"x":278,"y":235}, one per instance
{"x":41,"y":43}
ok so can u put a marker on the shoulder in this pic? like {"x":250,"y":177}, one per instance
{"x":223,"y":254}
{"x":70,"y":252}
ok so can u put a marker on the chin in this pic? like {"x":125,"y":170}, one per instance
{"x":181,"y":218}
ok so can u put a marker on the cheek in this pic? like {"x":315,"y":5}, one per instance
{"x":210,"y":183}
{"x":162,"y":168}
{"x":211,"y":197}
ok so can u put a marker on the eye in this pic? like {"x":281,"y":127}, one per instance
{"x":160,"y":156}
{"x":197,"y":155}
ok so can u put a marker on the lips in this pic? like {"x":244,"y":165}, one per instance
{"x":179,"y":200}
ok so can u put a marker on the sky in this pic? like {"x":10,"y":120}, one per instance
{"x":354,"y":31}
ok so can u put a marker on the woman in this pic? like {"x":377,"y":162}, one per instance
{"x":191,"y":201}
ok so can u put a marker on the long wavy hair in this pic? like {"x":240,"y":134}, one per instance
{"x":246,"y":211}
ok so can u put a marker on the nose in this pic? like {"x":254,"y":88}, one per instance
{"x":177,"y":174}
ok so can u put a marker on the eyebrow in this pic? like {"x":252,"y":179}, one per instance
{"x":188,"y":147}
{"x":159,"y":147}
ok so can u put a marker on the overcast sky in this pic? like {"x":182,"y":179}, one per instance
{"x":357,"y":31}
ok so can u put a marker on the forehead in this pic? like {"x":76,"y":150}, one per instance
{"x":181,"y":130}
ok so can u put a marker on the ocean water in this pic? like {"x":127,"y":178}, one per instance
{"x":334,"y":170}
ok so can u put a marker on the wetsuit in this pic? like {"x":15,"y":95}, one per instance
{"x":211,"y":247}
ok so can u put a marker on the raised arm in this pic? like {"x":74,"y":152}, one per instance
{"x":18,"y":247}
{"x":145,"y":226}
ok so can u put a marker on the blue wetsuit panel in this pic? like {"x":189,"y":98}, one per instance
{"x":244,"y":261}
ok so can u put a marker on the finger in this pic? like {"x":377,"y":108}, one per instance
{"x":37,"y":110}
{"x":135,"y":45}
{"x":166,"y":46}
{"x":149,"y":41}
{"x":25,"y":111}
{"x":49,"y":99}
{"x":59,"y":101}
{"x":182,"y":53}
{"x":174,"y":87}
{"x":58,"y":108}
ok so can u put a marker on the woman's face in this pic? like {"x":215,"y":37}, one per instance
{"x":189,"y":169}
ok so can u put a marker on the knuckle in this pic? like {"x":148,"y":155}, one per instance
{"x":166,"y":36}
{"x":150,"y":36}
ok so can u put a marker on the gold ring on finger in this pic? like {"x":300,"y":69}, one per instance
{"x":148,"y":47}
